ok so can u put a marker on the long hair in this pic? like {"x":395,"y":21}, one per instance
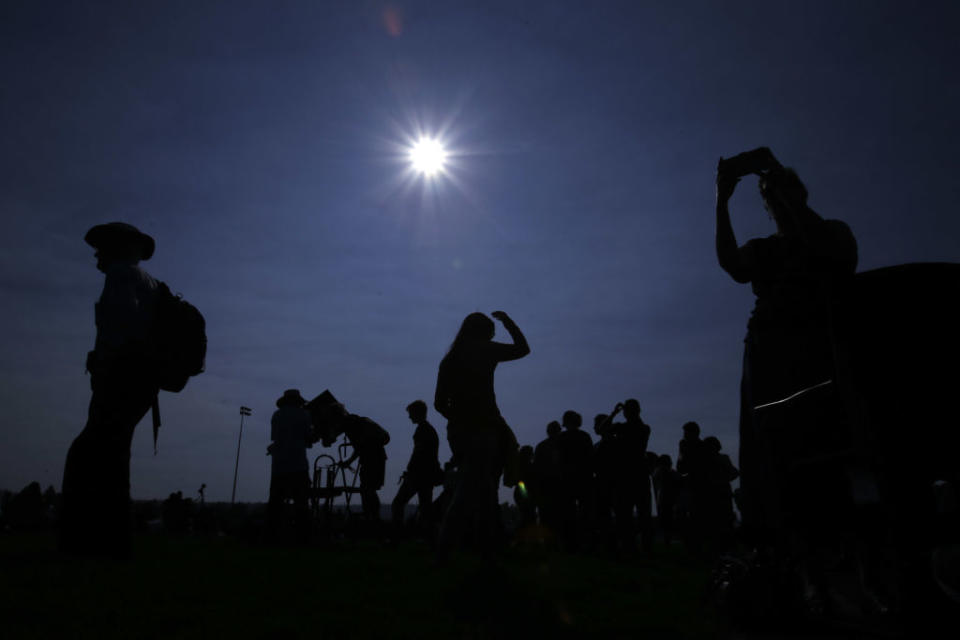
{"x":476,"y":327}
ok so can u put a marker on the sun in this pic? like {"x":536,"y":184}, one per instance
{"x":428,"y":157}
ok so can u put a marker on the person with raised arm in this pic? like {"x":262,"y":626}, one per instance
{"x":480,"y":439}
{"x":797,"y":274}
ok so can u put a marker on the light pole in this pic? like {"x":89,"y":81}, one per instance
{"x":244,"y":411}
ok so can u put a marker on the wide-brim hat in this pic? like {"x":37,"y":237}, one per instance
{"x":120,"y":234}
{"x":291,"y":397}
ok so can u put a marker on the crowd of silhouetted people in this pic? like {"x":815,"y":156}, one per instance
{"x":616,"y":495}
{"x":569,"y":491}
{"x":824,"y":472}
{"x":612,"y":495}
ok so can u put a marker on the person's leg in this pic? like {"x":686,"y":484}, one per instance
{"x":453,"y":522}
{"x":491,"y":524}
{"x":604,"y":517}
{"x":372,"y":469}
{"x":370,"y":502}
{"x":275,"y":505}
{"x":625,"y":527}
{"x":665,"y":516}
{"x":586,"y":512}
{"x":425,"y":504}
{"x":78,"y":493}
{"x":406,"y":491}
{"x":474,"y":494}
{"x":96,"y":485}
{"x":644,"y":518}
{"x":567,"y":516}
{"x":301,"y":505}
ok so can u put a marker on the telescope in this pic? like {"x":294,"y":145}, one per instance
{"x":326,"y":415}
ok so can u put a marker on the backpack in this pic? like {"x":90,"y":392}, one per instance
{"x":181,"y":340}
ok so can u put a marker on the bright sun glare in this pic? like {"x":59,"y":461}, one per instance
{"x":428,"y":156}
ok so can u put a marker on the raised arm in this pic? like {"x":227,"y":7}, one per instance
{"x":609,"y":419}
{"x":519,"y":348}
{"x":729,"y":254}
{"x":737,"y":261}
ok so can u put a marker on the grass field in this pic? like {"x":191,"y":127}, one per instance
{"x":207,"y":587}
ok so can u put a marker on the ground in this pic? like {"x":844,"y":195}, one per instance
{"x":194,"y":587}
{"x":207,"y":586}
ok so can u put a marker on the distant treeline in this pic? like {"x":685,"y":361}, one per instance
{"x":34,"y":509}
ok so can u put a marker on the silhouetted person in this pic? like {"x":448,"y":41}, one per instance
{"x":476,"y":431}
{"x":442,"y":501}
{"x":95,"y":514}
{"x":524,"y":492}
{"x":423,"y":470}
{"x":576,"y":455}
{"x":691,"y":449}
{"x":633,"y":479}
{"x":690,"y":466}
{"x":369,"y":441}
{"x":26,"y":510}
{"x":605,"y":479}
{"x":176,"y":513}
{"x":666,"y":489}
{"x":717,"y":499}
{"x":548,"y":470}
{"x":795,"y":274}
{"x":291,"y":432}
{"x":652,"y":458}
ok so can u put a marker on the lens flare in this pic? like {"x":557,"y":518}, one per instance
{"x":428,"y":156}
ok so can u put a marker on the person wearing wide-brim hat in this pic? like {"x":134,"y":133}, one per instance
{"x":119,"y":239}
{"x":95,"y":506}
{"x":291,"y":397}
{"x":291,"y":432}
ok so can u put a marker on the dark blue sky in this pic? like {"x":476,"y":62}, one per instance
{"x":259,"y":143}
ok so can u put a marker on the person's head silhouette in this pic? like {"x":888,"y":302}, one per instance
{"x":553,"y":429}
{"x":599,"y":423}
{"x":784,"y":197}
{"x":631,"y":409}
{"x":417,"y":410}
{"x":476,"y":327}
{"x":572,"y":420}
{"x":119,"y":241}
{"x":291,"y":398}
